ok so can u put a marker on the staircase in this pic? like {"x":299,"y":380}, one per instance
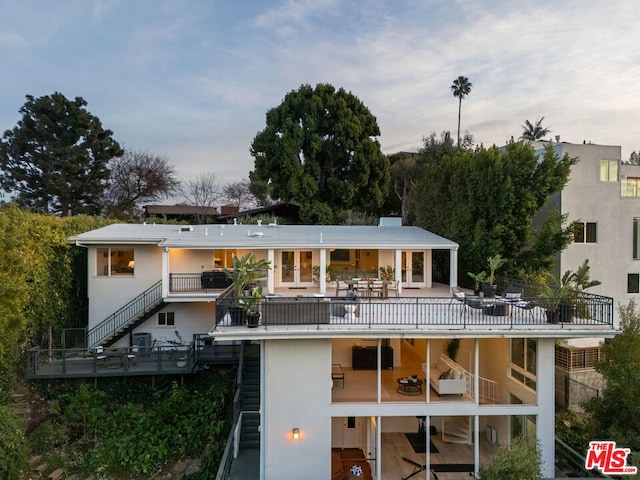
{"x":124,"y":320}
{"x":250,"y":398}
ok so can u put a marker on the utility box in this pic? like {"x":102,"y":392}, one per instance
{"x":143,"y":342}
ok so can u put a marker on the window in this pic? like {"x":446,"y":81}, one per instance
{"x":630,"y":187}
{"x":608,"y":170}
{"x":585,"y":232}
{"x":636,"y":238}
{"x":633,"y":283}
{"x":114,"y":262}
{"x":166,"y":319}
{"x":523,"y":366}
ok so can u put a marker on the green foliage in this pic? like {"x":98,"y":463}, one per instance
{"x":353,"y":217}
{"x":319,"y":149}
{"x":495,"y":262}
{"x":387,"y":273}
{"x":246,"y":270}
{"x":121,"y":433}
{"x":452,"y":348}
{"x":518,"y":462}
{"x":42,"y":279}
{"x":55,"y":159}
{"x":13,"y":458}
{"x":486,"y":200}
{"x":330,"y":274}
{"x":616,"y":412}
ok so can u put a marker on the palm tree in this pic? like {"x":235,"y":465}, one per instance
{"x":535,"y":131}
{"x":461,"y":88}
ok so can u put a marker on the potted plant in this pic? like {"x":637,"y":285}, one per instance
{"x":478,"y":281}
{"x":495,"y":262}
{"x":452,"y":348}
{"x":331,"y":275}
{"x":562,"y":301}
{"x":387,"y":273}
{"x":244,"y":273}
{"x":250,"y":305}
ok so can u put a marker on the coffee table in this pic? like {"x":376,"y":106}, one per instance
{"x":408,"y":386}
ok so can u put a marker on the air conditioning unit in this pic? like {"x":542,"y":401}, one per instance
{"x":492,"y":435}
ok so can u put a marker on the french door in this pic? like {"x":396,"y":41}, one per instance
{"x":413,"y":269}
{"x":296,"y":268}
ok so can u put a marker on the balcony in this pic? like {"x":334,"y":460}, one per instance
{"x":591,"y":313}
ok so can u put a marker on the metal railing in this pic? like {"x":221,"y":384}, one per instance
{"x":110,"y":361}
{"x":413,"y":312}
{"x":137,"y":307}
{"x":571,"y":463}
{"x":195,"y":283}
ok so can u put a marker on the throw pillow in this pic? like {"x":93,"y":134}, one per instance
{"x":444,"y":375}
{"x":513,"y":296}
{"x":356,"y":471}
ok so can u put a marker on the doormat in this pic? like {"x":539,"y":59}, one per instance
{"x":417,"y":443}
{"x":297,"y":288}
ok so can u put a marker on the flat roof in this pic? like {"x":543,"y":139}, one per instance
{"x":266,"y":236}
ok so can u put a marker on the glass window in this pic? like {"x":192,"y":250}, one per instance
{"x":608,"y":170}
{"x":585,"y":232}
{"x":630,"y":187}
{"x":636,"y":238}
{"x":524,"y":361}
{"x":114,"y":262}
{"x":633,"y":283}
{"x":166,"y":319}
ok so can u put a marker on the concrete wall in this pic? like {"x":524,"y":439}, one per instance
{"x":297,"y":395}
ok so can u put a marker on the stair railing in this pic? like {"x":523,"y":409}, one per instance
{"x":135,"y":308}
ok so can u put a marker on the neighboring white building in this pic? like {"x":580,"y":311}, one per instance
{"x":333,"y":371}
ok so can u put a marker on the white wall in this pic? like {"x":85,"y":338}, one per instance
{"x":190,"y":261}
{"x":297,"y":394}
{"x":108,"y":294}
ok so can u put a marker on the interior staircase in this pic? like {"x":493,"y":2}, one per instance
{"x":250,"y":398}
{"x":456,"y":430}
{"x":126,"y":318}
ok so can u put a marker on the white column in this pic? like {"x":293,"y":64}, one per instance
{"x":271,"y":274}
{"x":165,"y":272}
{"x":453,"y":266}
{"x":379,"y":448}
{"x":323,"y":270}
{"x":428,"y":264}
{"x":545,"y":425}
{"x":398,"y":268}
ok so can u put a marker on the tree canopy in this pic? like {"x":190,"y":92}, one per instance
{"x":534,"y":131}
{"x":487,"y":200}
{"x":137,"y":177}
{"x":55,"y":160}
{"x":319,"y":149}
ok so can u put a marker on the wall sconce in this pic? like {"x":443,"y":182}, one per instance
{"x":296,"y":433}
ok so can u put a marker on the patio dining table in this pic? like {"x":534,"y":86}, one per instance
{"x":353,"y":284}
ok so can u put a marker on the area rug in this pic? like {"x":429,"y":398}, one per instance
{"x":417,"y":443}
{"x":452,"y":467}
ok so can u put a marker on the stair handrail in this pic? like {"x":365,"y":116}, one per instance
{"x":149,"y":298}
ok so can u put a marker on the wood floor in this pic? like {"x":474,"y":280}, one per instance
{"x":395,"y":446}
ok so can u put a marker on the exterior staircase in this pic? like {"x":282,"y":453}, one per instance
{"x":250,"y":398}
{"x":128,"y":317}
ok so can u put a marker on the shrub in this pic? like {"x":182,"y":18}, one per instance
{"x":519,"y":462}
{"x":13,"y":456}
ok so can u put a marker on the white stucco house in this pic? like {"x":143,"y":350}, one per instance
{"x":344,"y":382}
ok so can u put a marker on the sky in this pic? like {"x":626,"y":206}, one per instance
{"x":192,"y":80}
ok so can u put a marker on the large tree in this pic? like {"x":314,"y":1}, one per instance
{"x":460,"y":88}
{"x":202,"y":192}
{"x":320,"y":149}
{"x":138,"y":177}
{"x":487,"y":200}
{"x":56,"y":159}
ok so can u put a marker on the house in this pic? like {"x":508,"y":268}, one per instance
{"x":356,"y":378}
{"x":603,"y":197}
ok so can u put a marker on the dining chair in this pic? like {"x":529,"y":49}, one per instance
{"x":394,"y":286}
{"x":362,"y":287}
{"x":377,"y":288}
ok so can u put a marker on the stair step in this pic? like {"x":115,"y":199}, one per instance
{"x":41,"y":468}
{"x":248,"y":445}
{"x":18,"y":397}
{"x":56,"y":474}
{"x":34,"y":459}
